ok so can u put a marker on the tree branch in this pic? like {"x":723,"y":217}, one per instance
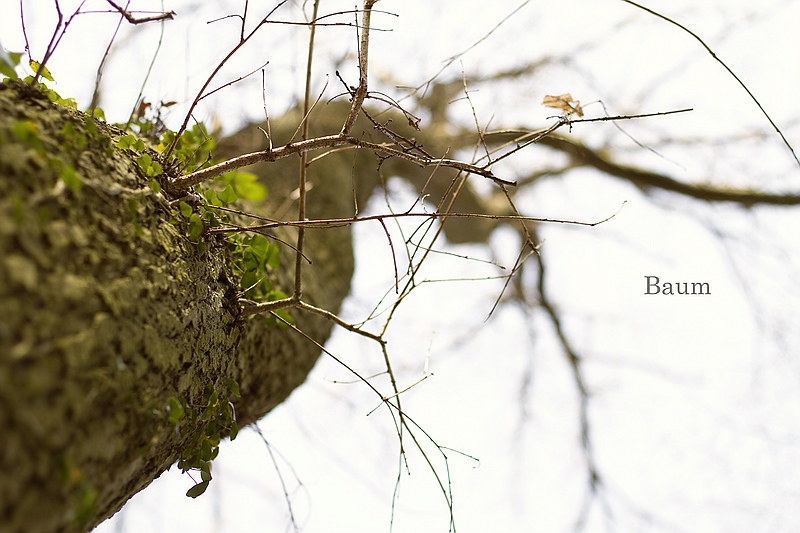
{"x":177,"y":185}
{"x":363,"y":64}
{"x":585,"y":156}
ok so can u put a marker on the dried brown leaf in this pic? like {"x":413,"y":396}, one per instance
{"x":565,"y":103}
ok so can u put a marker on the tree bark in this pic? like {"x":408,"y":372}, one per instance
{"x":111,"y":317}
{"x":110,"y":314}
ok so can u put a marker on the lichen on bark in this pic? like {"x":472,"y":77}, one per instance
{"x":108,"y":310}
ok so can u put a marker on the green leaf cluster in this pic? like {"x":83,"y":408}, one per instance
{"x":52,"y":95}
{"x":257,"y":256}
{"x":254,"y":256}
{"x":214,"y":416}
{"x":26,"y":132}
{"x":244,"y":185}
{"x":70,"y":177}
{"x":193,"y":149}
{"x":149,"y":165}
{"x":131,"y":142}
{"x":10,"y":61}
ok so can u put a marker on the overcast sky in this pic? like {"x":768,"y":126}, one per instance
{"x":694,"y":405}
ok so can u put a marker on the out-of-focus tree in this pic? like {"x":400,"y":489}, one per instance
{"x":482,"y":162}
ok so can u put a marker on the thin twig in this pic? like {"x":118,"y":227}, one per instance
{"x":216,"y":70}
{"x":280,"y":476}
{"x":149,"y":71}
{"x":99,"y":76}
{"x":363,"y":64}
{"x":566,"y":120}
{"x":303,"y":174}
{"x":232,"y":82}
{"x":721,"y":62}
{"x":394,"y":257}
{"x":336,"y":222}
{"x":455,"y":57}
{"x":164,"y":15}
{"x":575,"y":363}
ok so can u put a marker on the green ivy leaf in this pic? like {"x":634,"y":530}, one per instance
{"x":247,"y":186}
{"x":8,"y":62}
{"x":249,"y":279}
{"x":233,"y":387}
{"x":176,"y":410}
{"x":282,"y":313}
{"x":211,"y":217}
{"x":154,"y":170}
{"x":212,"y":198}
{"x":126,"y":141}
{"x":186,"y":209}
{"x":166,"y":140}
{"x":150,"y":167}
{"x":98,"y":113}
{"x":195,"y":226}
{"x":85,"y":508}
{"x":213,"y":399}
{"x":70,"y":178}
{"x":228,"y":195}
{"x":205,"y":451}
{"x":259,"y":245}
{"x":35,"y":66}
{"x":27,"y":132}
{"x":197,"y":490}
{"x":15,"y":57}
{"x":71,"y":134}
{"x":273,"y":258}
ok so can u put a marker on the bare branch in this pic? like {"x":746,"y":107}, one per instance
{"x":303,"y":174}
{"x":718,"y":60}
{"x":182,"y":183}
{"x":216,"y":70}
{"x":363,"y":64}
{"x":167,"y":15}
{"x":583,"y":155}
{"x":335,"y":222}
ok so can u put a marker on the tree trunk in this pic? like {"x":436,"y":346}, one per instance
{"x":112,"y":322}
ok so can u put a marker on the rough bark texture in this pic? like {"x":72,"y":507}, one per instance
{"x":108,"y":310}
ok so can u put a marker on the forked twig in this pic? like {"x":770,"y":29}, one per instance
{"x":363,"y":68}
{"x":213,"y":74}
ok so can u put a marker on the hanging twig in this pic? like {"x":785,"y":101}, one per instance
{"x":721,"y":62}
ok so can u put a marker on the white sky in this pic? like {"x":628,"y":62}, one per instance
{"x":695,"y":408}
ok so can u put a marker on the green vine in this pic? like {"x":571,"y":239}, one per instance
{"x":209,"y":421}
{"x":254,"y":257}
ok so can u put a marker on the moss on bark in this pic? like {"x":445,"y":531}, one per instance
{"x":107,"y":312}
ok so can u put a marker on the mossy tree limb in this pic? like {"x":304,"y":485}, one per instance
{"x":109,"y":315}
